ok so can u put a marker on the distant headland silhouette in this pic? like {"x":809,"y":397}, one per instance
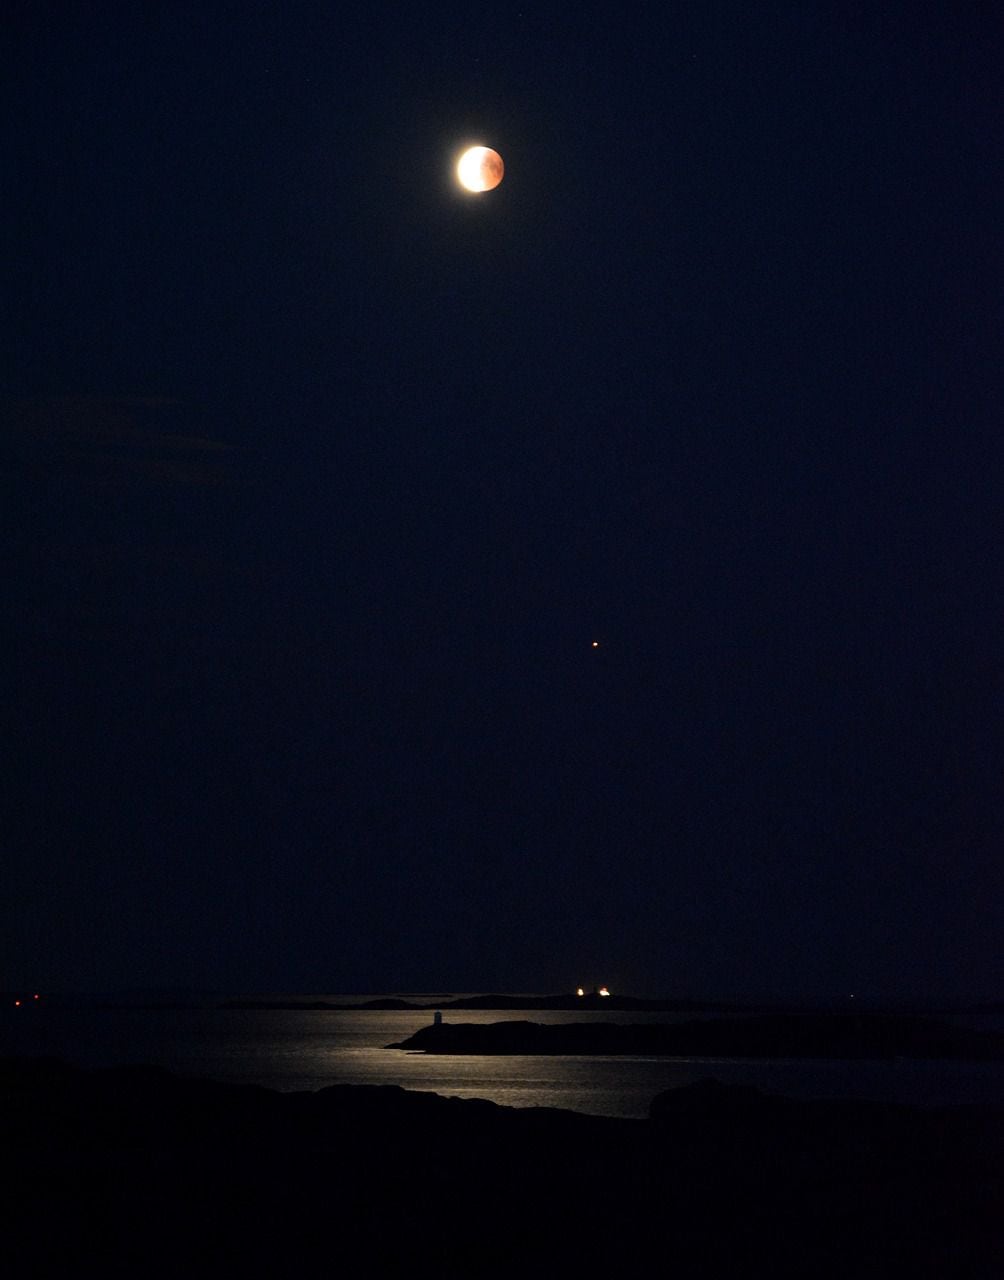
{"x":816,"y":1035}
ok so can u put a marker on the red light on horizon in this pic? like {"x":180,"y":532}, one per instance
{"x":38,"y":997}
{"x":17,"y":1004}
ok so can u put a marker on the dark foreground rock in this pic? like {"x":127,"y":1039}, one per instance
{"x":137,"y":1172}
{"x":770,"y":1036}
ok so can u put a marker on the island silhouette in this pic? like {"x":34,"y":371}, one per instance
{"x":834,"y":1035}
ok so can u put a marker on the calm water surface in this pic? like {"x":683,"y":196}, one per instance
{"x":310,"y":1049}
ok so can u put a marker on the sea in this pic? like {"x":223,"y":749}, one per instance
{"x":291,"y":1049}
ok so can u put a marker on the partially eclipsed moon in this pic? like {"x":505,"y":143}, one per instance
{"x":480,"y":169}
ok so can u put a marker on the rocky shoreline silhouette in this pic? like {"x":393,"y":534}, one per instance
{"x":135,"y":1171}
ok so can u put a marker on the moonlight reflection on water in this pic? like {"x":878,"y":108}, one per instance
{"x":292,"y":1049}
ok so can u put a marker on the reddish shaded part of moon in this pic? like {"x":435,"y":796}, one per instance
{"x":492,"y":169}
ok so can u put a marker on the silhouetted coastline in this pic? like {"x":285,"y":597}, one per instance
{"x":531,"y":1003}
{"x":771,"y":1036}
{"x":137,"y":1171}
{"x":164,"y":998}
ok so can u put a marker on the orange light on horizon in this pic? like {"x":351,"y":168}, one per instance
{"x":603,"y":992}
{"x":579,"y":991}
{"x":17,"y":1004}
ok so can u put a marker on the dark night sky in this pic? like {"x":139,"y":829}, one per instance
{"x":320,"y":477}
